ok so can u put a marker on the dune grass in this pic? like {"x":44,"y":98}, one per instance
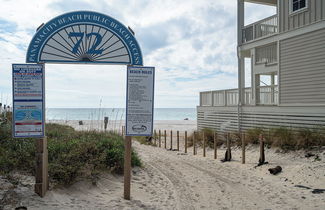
{"x":285,"y":138}
{"x":72,"y":154}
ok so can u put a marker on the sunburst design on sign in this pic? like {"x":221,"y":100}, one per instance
{"x":85,"y":43}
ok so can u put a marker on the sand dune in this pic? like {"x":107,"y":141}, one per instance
{"x":175,"y":180}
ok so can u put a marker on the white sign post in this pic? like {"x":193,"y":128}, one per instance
{"x":28,"y":100}
{"x":139,"y":101}
{"x":139,"y":113}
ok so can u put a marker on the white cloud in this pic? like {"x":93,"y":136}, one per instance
{"x":191,"y":43}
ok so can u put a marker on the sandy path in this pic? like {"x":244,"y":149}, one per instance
{"x":174,"y":180}
{"x":204,"y":183}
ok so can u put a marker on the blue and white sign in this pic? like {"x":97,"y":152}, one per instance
{"x":28,"y":100}
{"x":84,"y":37}
{"x":140,"y":101}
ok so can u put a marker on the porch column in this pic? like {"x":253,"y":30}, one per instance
{"x":241,"y":60}
{"x":240,"y":21}
{"x":272,"y":88}
{"x":253,"y":86}
{"x":257,"y":88}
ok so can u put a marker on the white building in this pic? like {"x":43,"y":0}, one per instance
{"x":287,"y":54}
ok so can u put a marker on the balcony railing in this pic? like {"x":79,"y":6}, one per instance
{"x":266,"y":54}
{"x":266,"y":95}
{"x":260,"y":29}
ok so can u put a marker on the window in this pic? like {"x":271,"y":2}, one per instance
{"x":298,"y":5}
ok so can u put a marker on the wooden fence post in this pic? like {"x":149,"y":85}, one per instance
{"x":203,"y":144}
{"x":159,"y":138}
{"x":165,"y":136}
{"x":262,"y":154}
{"x":185,"y":141}
{"x":155,"y":137}
{"x":243,"y":147}
{"x":41,"y":173}
{"x":171,"y":140}
{"x":177,"y":140}
{"x":194,"y":152}
{"x":228,"y":147}
{"x":215,"y":145}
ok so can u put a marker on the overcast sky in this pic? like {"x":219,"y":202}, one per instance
{"x":192,"y":44}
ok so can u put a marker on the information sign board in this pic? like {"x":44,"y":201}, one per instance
{"x":140,"y":101}
{"x":28,"y":100}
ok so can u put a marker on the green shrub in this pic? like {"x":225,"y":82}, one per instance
{"x":71,"y":153}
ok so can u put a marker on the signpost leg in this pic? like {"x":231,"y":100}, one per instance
{"x":41,"y":175}
{"x":127,"y":167}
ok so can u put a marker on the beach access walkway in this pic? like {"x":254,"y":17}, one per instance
{"x":175,"y":180}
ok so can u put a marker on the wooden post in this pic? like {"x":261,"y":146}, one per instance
{"x":41,"y":175}
{"x":228,"y":147}
{"x":203,"y":144}
{"x":243,"y":148}
{"x":215,"y":145}
{"x":194,"y":152}
{"x":127,"y":167}
{"x":171,"y":140}
{"x":262,"y":154}
{"x":159,"y":138}
{"x":185,"y":141}
{"x":177,"y":140}
{"x":155,"y":137}
{"x":165,"y":135}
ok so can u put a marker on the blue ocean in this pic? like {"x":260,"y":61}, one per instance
{"x":116,"y":113}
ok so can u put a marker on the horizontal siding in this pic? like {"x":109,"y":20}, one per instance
{"x":315,"y":12}
{"x":223,"y":120}
{"x":302,"y":69}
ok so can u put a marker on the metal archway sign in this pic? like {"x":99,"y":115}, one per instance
{"x":84,"y":37}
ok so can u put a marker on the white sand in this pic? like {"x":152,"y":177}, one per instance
{"x":175,"y":180}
